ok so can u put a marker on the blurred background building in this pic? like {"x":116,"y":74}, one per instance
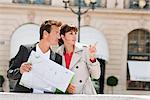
{"x":122,"y":28}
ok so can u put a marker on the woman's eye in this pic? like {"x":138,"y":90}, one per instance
{"x":71,"y":33}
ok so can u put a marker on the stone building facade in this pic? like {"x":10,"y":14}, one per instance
{"x":114,"y":18}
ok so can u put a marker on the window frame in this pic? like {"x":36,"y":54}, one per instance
{"x":135,"y":37}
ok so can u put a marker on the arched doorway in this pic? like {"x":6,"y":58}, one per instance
{"x":90,"y":35}
{"x":25,"y":34}
{"x":138,"y":60}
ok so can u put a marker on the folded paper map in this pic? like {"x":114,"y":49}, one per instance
{"x":46,"y":73}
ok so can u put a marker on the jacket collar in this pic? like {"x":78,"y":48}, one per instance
{"x":77,"y":54}
{"x":33,"y":47}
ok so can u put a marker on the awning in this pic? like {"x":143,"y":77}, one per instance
{"x":139,"y":70}
{"x":90,"y":35}
{"x":25,"y":34}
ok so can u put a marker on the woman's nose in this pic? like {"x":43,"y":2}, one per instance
{"x":75,"y":37}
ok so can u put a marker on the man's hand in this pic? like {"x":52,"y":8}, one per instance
{"x":71,"y":89}
{"x":25,"y":67}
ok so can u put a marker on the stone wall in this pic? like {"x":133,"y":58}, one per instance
{"x":115,"y":24}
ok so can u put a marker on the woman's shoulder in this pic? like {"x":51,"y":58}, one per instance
{"x":80,"y":47}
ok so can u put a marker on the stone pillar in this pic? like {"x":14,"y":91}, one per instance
{"x":126,"y":4}
{"x":119,"y":4}
{"x":87,"y":19}
{"x":103,"y":3}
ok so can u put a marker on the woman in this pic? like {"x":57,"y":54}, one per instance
{"x":80,"y":60}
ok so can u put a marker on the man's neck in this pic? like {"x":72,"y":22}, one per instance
{"x":44,"y":46}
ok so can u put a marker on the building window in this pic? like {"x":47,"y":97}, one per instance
{"x":138,"y":50}
{"x":83,"y":3}
{"x":46,"y":2}
{"x":137,"y":4}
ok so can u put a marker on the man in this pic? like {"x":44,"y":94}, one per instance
{"x":49,"y":35}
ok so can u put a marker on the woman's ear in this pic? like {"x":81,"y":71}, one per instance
{"x":62,"y":36}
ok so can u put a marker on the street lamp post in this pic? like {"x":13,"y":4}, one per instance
{"x":91,"y":3}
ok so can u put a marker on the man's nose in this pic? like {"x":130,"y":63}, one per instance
{"x":58,"y":36}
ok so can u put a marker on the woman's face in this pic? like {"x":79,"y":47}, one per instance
{"x":69,"y":38}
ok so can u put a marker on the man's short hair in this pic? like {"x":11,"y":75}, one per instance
{"x":46,"y":26}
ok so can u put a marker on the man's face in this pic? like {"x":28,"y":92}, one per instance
{"x":53,"y":36}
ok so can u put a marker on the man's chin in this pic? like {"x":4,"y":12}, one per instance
{"x":55,"y":43}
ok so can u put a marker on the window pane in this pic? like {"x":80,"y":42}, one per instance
{"x":135,"y":4}
{"x":47,"y":2}
{"x":138,"y":49}
{"x":83,"y":4}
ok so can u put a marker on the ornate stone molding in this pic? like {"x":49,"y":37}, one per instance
{"x":87,"y":19}
{"x":31,"y":16}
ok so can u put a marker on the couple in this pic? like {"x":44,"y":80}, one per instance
{"x":79,"y":60}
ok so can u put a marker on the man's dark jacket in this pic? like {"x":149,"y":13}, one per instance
{"x":22,"y":56}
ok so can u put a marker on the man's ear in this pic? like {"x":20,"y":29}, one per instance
{"x":45,"y":34}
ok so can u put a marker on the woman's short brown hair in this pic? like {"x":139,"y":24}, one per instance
{"x":47,"y":26}
{"x":66,"y":28}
